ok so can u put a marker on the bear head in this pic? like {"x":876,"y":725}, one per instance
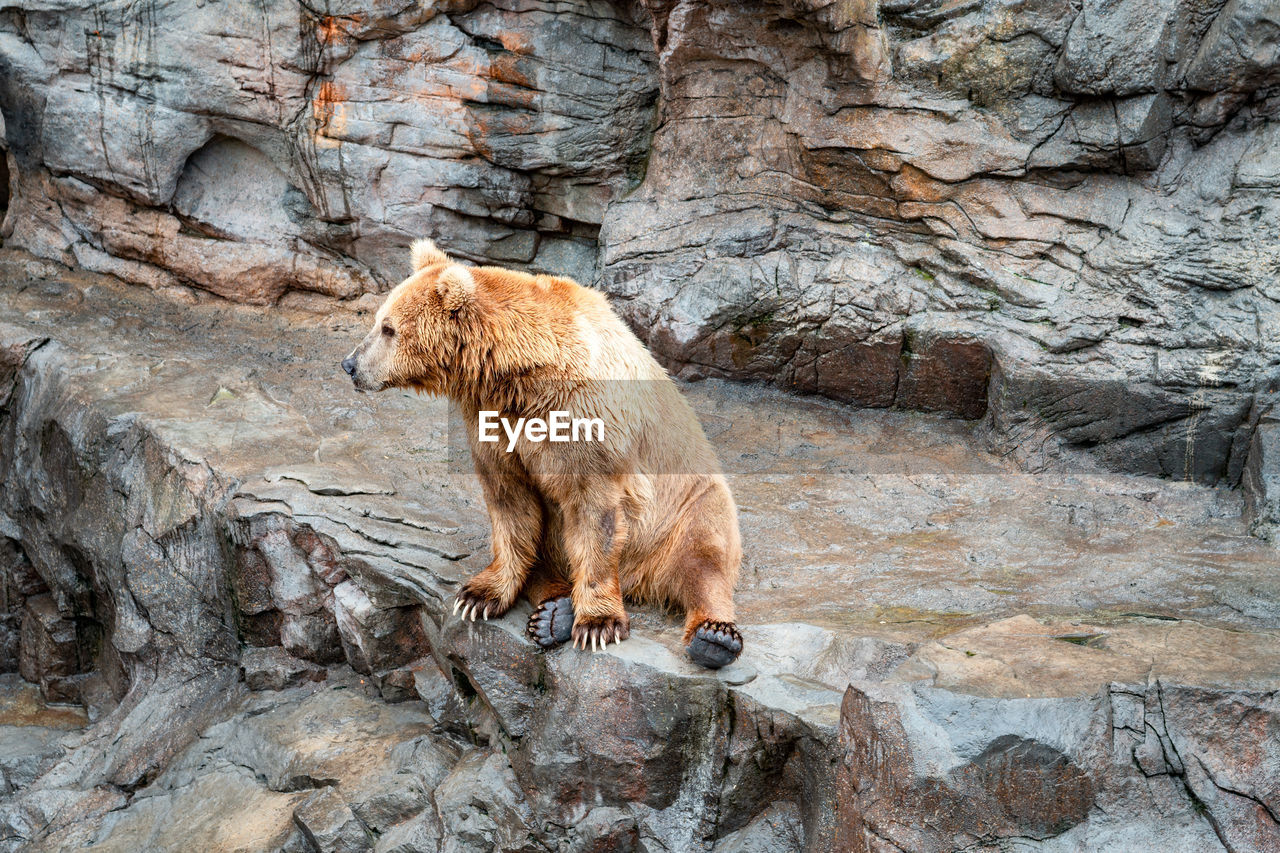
{"x":449,"y":325}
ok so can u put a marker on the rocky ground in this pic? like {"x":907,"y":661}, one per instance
{"x":237,"y":573}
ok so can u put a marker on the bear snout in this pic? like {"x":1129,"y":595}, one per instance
{"x":349,"y":365}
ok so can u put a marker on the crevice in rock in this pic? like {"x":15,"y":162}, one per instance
{"x":1244,"y":795}
{"x":303,"y":783}
{"x":466,"y":689}
{"x":5,"y":189}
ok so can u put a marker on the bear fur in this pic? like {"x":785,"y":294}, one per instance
{"x":577,"y":526}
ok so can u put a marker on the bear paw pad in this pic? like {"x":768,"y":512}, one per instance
{"x":551,"y":622}
{"x":596,"y":633}
{"x":715,"y":644}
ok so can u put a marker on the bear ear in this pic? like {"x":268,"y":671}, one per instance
{"x":424,"y":253}
{"x":457,"y":287}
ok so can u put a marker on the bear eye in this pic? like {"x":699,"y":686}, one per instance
{"x":388,"y":331}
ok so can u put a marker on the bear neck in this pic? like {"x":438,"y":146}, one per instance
{"x":519,"y":348}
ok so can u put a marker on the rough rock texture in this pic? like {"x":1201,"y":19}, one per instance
{"x":253,"y":150}
{"x":968,"y":207}
{"x":1060,"y":215}
{"x":242,"y":571}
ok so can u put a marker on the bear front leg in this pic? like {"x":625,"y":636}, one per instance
{"x":595,"y":529}
{"x":516,"y":520}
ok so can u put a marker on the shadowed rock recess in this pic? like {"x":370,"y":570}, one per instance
{"x":226,"y":578}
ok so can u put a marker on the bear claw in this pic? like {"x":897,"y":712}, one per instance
{"x":551,"y":622}
{"x":596,"y":634}
{"x":715,"y":644}
{"x":473,"y":604}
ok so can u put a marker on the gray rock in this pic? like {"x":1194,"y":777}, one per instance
{"x":26,"y":752}
{"x":60,"y":818}
{"x":312,"y":636}
{"x":10,"y":628}
{"x":224,"y":807}
{"x":498,"y":666}
{"x":440,"y":695}
{"x":605,"y":829}
{"x":397,"y":685}
{"x":1239,"y":51}
{"x":640,"y":706}
{"x":778,"y":828}
{"x":374,"y":638}
{"x":275,"y":669}
{"x":329,"y":824}
{"x":1122,"y":48}
{"x":419,"y":834}
{"x":481,"y":806}
{"x":1261,"y":478}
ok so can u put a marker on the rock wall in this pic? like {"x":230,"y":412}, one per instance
{"x":1053,"y":208}
{"x":1058,"y":214}
{"x":256,"y":149}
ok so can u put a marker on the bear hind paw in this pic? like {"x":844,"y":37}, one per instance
{"x":551,"y":622}
{"x":715,"y":644}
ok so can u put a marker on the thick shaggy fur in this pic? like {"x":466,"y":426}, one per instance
{"x":644,"y":514}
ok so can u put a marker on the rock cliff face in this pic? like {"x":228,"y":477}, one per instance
{"x":256,"y":149}
{"x":1056,"y":214}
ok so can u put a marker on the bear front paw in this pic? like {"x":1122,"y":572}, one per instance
{"x":597,"y":632}
{"x":473,"y":602}
{"x":551,"y":622}
{"x":715,"y":644}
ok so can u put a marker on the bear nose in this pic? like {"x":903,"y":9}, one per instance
{"x":349,"y":365}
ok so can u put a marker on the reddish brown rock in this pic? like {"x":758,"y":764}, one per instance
{"x":373,"y":638}
{"x":944,"y":373}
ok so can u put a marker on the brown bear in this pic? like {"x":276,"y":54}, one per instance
{"x":642,"y":511}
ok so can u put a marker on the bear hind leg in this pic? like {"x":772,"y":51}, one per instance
{"x":705,"y":589}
